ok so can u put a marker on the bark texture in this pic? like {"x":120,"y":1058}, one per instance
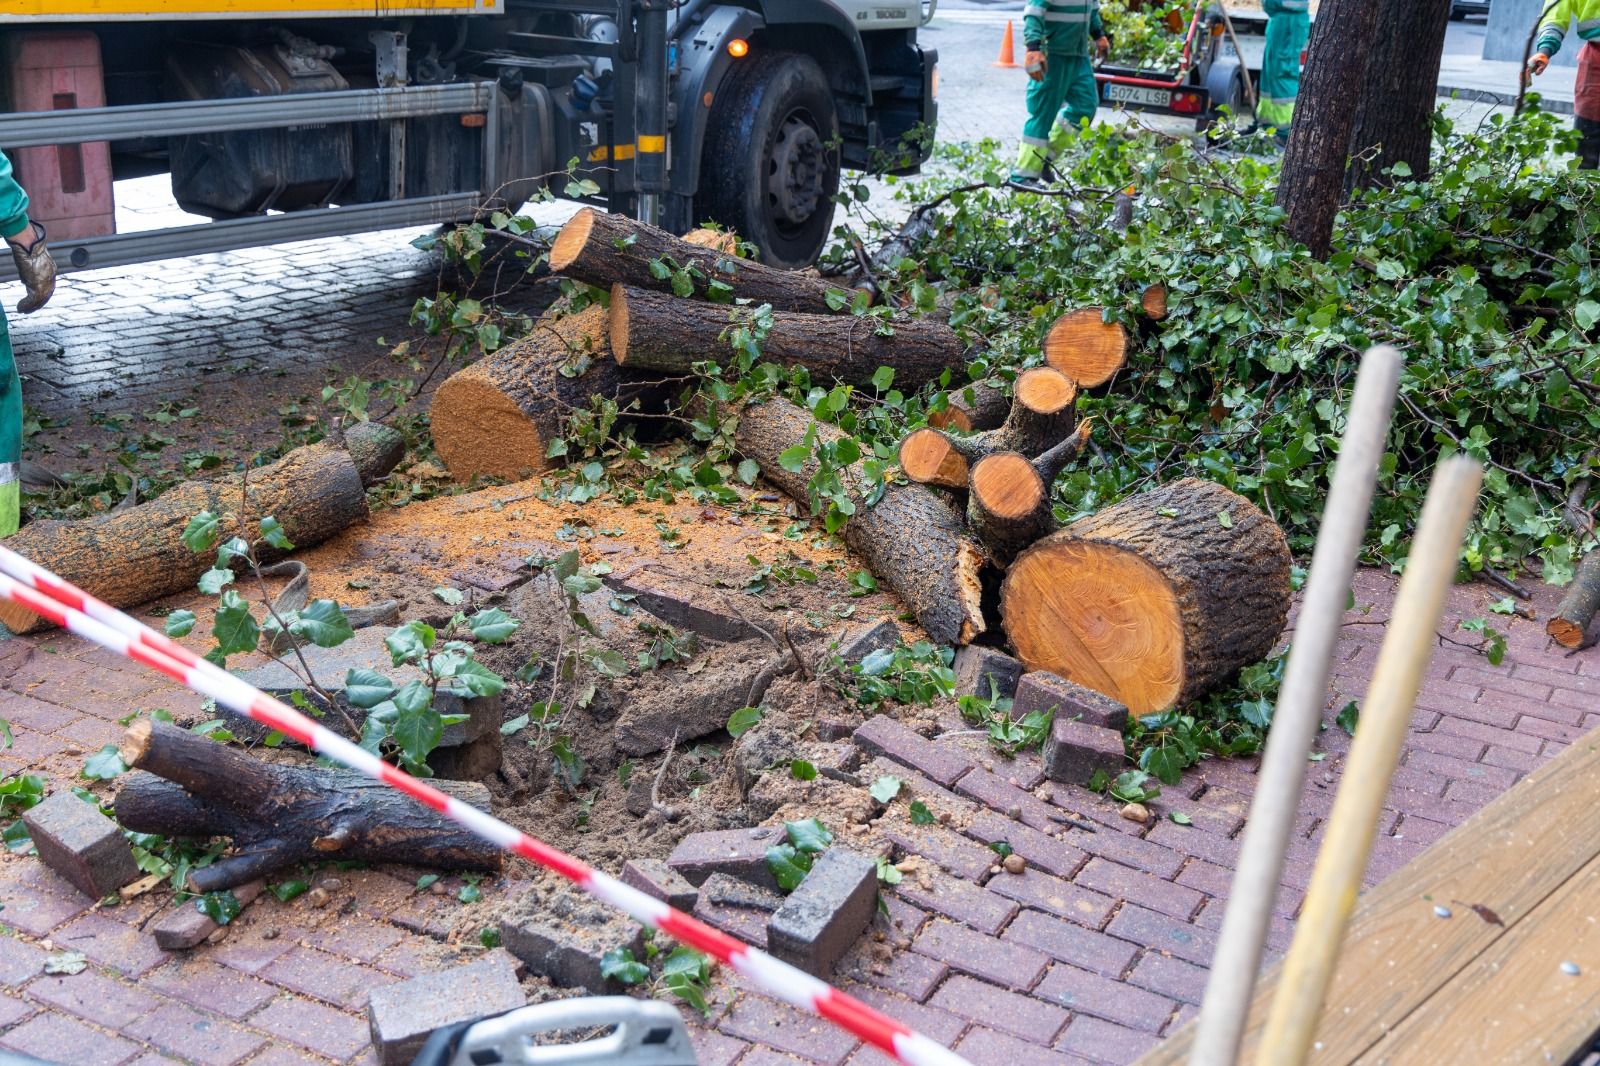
{"x":1311,"y":180}
{"x":652,"y":331}
{"x":1394,"y":119}
{"x":972,"y":408}
{"x":911,"y":539}
{"x":604,"y":249}
{"x":375,"y":448}
{"x":280,"y":816}
{"x":1155,"y":600}
{"x":498,"y":416}
{"x":133,"y":556}
{"x":1568,"y":626}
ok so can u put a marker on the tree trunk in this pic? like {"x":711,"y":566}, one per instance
{"x":972,"y":407}
{"x":497,"y":417}
{"x":1394,"y":120}
{"x":281,"y":816}
{"x":1041,"y":416}
{"x":1085,"y":347}
{"x":1570,"y":623}
{"x":1155,"y":600}
{"x":1311,"y":179}
{"x":1009,"y":506}
{"x":605,"y":249}
{"x":911,"y":539}
{"x":134,"y":556}
{"x":652,"y":331}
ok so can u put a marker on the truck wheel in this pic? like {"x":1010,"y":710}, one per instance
{"x":771,"y":163}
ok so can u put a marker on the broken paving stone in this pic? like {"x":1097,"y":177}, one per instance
{"x":185,"y":927}
{"x":1041,"y":690}
{"x":729,"y":891}
{"x":404,"y":1015}
{"x":987,"y":673}
{"x":862,"y":641}
{"x":743,"y":923}
{"x":656,"y":879}
{"x":366,"y":651}
{"x":827,"y":913}
{"x":1075,"y":750}
{"x":694,"y":704}
{"x":82,"y":845}
{"x":741,"y":853}
{"x":682,"y":604}
{"x":563,"y":935}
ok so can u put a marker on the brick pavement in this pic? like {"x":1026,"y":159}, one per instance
{"x":1098,"y":950}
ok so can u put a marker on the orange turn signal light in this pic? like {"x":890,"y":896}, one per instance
{"x":738,"y":48}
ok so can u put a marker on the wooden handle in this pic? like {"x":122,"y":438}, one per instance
{"x":1386,"y":714}
{"x":1231,"y":984}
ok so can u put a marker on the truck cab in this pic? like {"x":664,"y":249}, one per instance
{"x":309,"y":118}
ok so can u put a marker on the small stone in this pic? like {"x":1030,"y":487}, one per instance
{"x":994,"y":869}
{"x":1014,"y":812}
{"x":1136,"y":812}
{"x":218,"y":935}
{"x":438,"y":889}
{"x":1570,"y":969}
{"x":332,"y":884}
{"x":318,"y":897}
{"x":270,"y":933}
{"x":1014,"y":863}
{"x":1441,"y":911}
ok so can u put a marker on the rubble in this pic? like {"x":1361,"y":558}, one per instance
{"x":563,"y":935}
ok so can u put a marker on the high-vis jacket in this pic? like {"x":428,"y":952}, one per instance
{"x":1061,"y":27}
{"x":1553,"y":30}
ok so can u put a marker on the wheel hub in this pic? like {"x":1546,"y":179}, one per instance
{"x":795,"y":173}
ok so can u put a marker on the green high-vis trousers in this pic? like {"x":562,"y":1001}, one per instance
{"x":10,"y":436}
{"x":1057,"y":106}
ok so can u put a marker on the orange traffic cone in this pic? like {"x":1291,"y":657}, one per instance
{"x":1008,"y":58}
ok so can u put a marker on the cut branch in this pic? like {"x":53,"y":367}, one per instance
{"x":1008,"y":507}
{"x":1041,"y":417}
{"x":1085,"y":347}
{"x":972,"y":407}
{"x":1570,"y":624}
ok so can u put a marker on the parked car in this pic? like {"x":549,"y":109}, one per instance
{"x":1460,"y":9}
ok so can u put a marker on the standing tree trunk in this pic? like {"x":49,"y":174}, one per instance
{"x":1394,"y":117}
{"x":1311,"y":181}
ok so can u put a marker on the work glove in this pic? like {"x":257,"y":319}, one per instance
{"x":1102,"y":47}
{"x":1034,"y":63}
{"x":35,"y":267}
{"x":1537,"y":62}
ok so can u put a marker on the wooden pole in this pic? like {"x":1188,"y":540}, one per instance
{"x":1407,"y":646}
{"x":1231,"y":983}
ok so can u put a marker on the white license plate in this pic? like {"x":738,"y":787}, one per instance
{"x":1137,"y":94}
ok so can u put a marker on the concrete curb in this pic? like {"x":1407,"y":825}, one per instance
{"x":1487,"y":96}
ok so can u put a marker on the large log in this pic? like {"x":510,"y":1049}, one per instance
{"x":911,"y":539}
{"x":280,"y":816}
{"x":605,"y":249}
{"x":497,"y":417}
{"x":1008,"y":507}
{"x":1569,"y":625}
{"x":652,"y":331}
{"x":1085,"y":347}
{"x":136,"y":555}
{"x":1154,"y":600}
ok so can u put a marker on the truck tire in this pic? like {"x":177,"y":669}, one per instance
{"x":771,"y":160}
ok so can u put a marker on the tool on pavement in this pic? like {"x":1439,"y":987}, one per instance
{"x":638,"y":1032}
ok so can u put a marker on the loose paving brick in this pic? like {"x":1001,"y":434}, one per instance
{"x":987,"y":673}
{"x":743,"y":923}
{"x":563,"y":934}
{"x":1010,"y":965}
{"x":1010,"y":1012}
{"x":186,"y":925}
{"x":1069,"y":942}
{"x":655,"y":878}
{"x":741,"y":853}
{"x":1075,"y":750}
{"x":403,"y":1016}
{"x":943,"y":763}
{"x":826,"y":912}
{"x":1041,"y":690}
{"x":82,"y":845}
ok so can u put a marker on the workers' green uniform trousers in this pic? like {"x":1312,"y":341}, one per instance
{"x":1288,"y":29}
{"x":13,"y":214}
{"x":1068,"y":95}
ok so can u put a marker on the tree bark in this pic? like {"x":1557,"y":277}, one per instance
{"x":602,"y":250}
{"x":1085,"y":347}
{"x":280,"y":816}
{"x":375,"y":448}
{"x":1041,"y":416}
{"x":1155,"y":600}
{"x":972,"y":407}
{"x":1569,"y":625}
{"x":1008,"y":507}
{"x":911,"y":539}
{"x":497,"y":417}
{"x":131,"y":557}
{"x":652,"y":331}
{"x":1311,"y":179}
{"x":1394,"y":119}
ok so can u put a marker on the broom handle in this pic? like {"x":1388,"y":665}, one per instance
{"x":1386,"y":715}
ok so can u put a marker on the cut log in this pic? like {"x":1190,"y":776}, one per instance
{"x":972,"y":408}
{"x":1041,"y":417}
{"x":1008,"y":507}
{"x":132,"y":556}
{"x":1154,"y":301}
{"x":497,"y":417}
{"x":375,"y":448}
{"x":911,"y":539}
{"x":1570,"y":624}
{"x":281,"y":816}
{"x":605,"y":249}
{"x":1085,"y":347}
{"x":1155,"y":600}
{"x":928,"y":457}
{"x":652,"y":331}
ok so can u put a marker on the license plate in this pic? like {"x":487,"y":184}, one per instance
{"x":1137,"y":94}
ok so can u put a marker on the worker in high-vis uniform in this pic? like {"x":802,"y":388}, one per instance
{"x":1586,"y":91}
{"x":37,"y":272}
{"x":1288,"y":29}
{"x":1062,"y":93}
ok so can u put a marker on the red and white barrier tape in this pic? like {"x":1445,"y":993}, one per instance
{"x":31,"y":586}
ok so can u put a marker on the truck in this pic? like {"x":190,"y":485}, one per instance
{"x":1220,"y":67}
{"x":286,"y":120}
